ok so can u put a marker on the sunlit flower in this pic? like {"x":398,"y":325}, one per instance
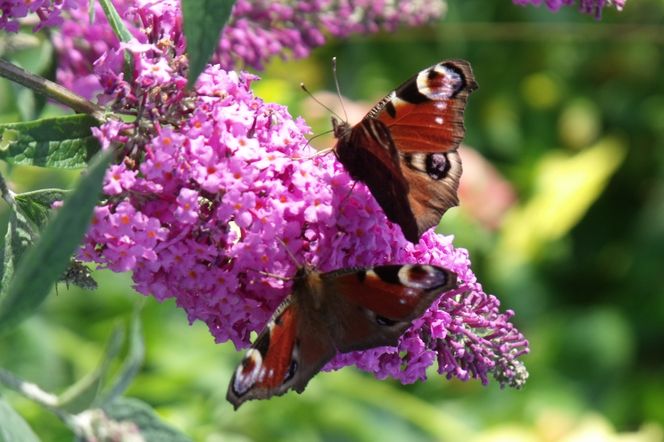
{"x":587,"y":6}
{"x":47,"y":11}
{"x":221,"y":193}
{"x":257,"y":31}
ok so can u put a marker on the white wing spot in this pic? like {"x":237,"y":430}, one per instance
{"x":244,"y":381}
{"x":438,"y":120}
{"x":442,"y":88}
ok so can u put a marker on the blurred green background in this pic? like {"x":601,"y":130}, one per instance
{"x":570,"y":112}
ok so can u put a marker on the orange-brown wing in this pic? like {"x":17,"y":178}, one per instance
{"x":369,"y":155}
{"x":284,"y":356}
{"x":433,"y":181}
{"x":374,"y":307}
{"x":425,"y":114}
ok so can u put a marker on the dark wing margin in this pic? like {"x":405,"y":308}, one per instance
{"x":285,"y":356}
{"x":374,"y":307}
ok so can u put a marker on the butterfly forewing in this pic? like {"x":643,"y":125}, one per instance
{"x":425,"y":114}
{"x":373,"y":307}
{"x":266,"y":364}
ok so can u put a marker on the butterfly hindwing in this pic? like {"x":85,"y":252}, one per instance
{"x":271,"y":351}
{"x":433,"y":180}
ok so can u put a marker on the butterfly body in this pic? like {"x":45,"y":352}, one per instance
{"x":404,"y":149}
{"x":330,"y":313}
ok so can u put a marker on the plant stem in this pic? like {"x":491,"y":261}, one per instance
{"x":27,"y":389}
{"x":36,"y":394}
{"x":51,"y":90}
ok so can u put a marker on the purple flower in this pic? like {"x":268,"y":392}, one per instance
{"x":587,"y":6}
{"x":188,"y":207}
{"x":48,"y":12}
{"x":119,"y":179}
{"x":258,"y":31}
{"x":219,"y":187}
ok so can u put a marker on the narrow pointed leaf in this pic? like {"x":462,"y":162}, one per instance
{"x":121,"y":32}
{"x":203,"y":22}
{"x":13,"y":427}
{"x":20,"y":236}
{"x":114,"y":19}
{"x":44,"y":263}
{"x":83,"y":393}
{"x":132,"y":363}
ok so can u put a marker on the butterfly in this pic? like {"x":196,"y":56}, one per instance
{"x":329,"y":313}
{"x":405,"y":148}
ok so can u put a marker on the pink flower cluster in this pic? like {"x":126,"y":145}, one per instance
{"x":263,"y":29}
{"x":587,"y":6}
{"x":47,"y":11}
{"x":215,"y":184}
{"x":257,"y":31}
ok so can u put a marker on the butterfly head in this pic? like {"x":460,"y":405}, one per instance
{"x":341,"y":129}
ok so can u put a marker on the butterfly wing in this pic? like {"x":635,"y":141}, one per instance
{"x":283,"y":357}
{"x":377,"y":165}
{"x":405,"y":148}
{"x":374,"y":307}
{"x":341,"y":311}
{"x":425,"y":114}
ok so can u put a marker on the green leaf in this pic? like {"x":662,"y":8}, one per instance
{"x":121,"y":32}
{"x":91,"y":11}
{"x":83,"y":393}
{"x":13,"y":427}
{"x":152,"y":429}
{"x":62,"y":142}
{"x":132,"y":363}
{"x":44,"y":263}
{"x":203,"y":22}
{"x":36,"y":205}
{"x":18,"y":239}
{"x":565,"y":188}
{"x":114,"y":19}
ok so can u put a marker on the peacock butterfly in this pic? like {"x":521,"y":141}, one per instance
{"x":405,"y":148}
{"x":330,"y":313}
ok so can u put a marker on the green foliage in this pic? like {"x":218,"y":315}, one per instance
{"x":43,"y":264}
{"x":63,"y":142}
{"x":36,"y":205}
{"x":570,"y":112}
{"x":152,"y":429}
{"x":203,"y":22}
{"x":12,"y":426}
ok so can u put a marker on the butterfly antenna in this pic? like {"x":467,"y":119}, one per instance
{"x":272,"y":275}
{"x":292,"y":257}
{"x":304,"y":88}
{"x":318,"y":152}
{"x":345,"y":199}
{"x":336,"y":83}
